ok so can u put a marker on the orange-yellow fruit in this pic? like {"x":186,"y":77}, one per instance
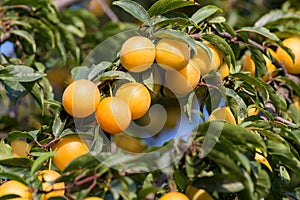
{"x":96,"y":8}
{"x":128,"y":143}
{"x":137,"y":54}
{"x":203,"y":61}
{"x":172,"y":54}
{"x":58,"y":76}
{"x":252,"y":111}
{"x":93,"y":198}
{"x":80,"y":98}
{"x":17,"y":188}
{"x":48,"y":177}
{"x":297,"y":102}
{"x":194,"y":193}
{"x":291,"y":67}
{"x":20,"y":148}
{"x":261,"y":159}
{"x":184,"y":81}
{"x":271,"y":69}
{"x":224,"y":70}
{"x":137,"y":96}
{"x":67,"y":149}
{"x":113,"y":115}
{"x":174,"y":196}
{"x":249,"y":65}
{"x":222,"y":113}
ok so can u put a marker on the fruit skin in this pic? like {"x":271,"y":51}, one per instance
{"x":137,"y":54}
{"x":174,"y":196}
{"x":15,"y":187}
{"x":81,"y":98}
{"x":224,"y":70}
{"x":261,"y":159}
{"x":137,"y":96}
{"x":128,"y":143}
{"x":222,"y":113}
{"x":67,"y":149}
{"x":194,"y":193}
{"x":47,"y":176}
{"x":96,"y":8}
{"x":292,"y":43}
{"x":297,"y":102}
{"x":172,"y":54}
{"x":252,"y":111}
{"x":113,"y":115}
{"x":249,"y":65}
{"x":93,"y":198}
{"x":202,"y":59}
{"x":184,"y":81}
{"x":20,"y":148}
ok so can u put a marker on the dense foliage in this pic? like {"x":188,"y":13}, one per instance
{"x":52,"y":48}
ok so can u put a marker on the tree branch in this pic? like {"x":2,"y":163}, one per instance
{"x":113,"y":17}
{"x":4,"y":37}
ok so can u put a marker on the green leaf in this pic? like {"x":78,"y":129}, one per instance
{"x":261,"y":31}
{"x":135,"y":9}
{"x":91,"y":73}
{"x":263,"y":184}
{"x":58,"y":126}
{"x":20,"y":73}
{"x":85,"y":161}
{"x":276,"y":16}
{"x":181,"y":180}
{"x":217,"y":20}
{"x":40,"y":161}
{"x":116,"y":75}
{"x":163,"y":6}
{"x":255,"y":83}
{"x":36,"y":91}
{"x":236,"y":134}
{"x":175,"y":22}
{"x":142,"y":193}
{"x":11,"y":176}
{"x":259,"y":61}
{"x":291,"y":83}
{"x":27,"y":36}
{"x":20,"y":134}
{"x":204,"y":12}
{"x":13,"y":162}
{"x":176,"y":35}
{"x":277,"y":100}
{"x":220,"y":182}
{"x":284,"y":156}
{"x":5,"y":150}
{"x":223,"y":47}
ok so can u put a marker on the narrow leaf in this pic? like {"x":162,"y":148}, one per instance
{"x":135,"y":9}
{"x":261,"y":31}
{"x":20,"y":73}
{"x":204,"y":12}
{"x":163,"y":6}
{"x":276,"y":16}
{"x":40,"y":161}
{"x":27,"y":36}
{"x":176,"y":35}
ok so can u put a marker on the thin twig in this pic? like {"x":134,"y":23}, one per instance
{"x":113,"y":17}
{"x":4,"y":37}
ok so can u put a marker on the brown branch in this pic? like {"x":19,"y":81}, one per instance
{"x":4,"y":37}
{"x":113,"y":17}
